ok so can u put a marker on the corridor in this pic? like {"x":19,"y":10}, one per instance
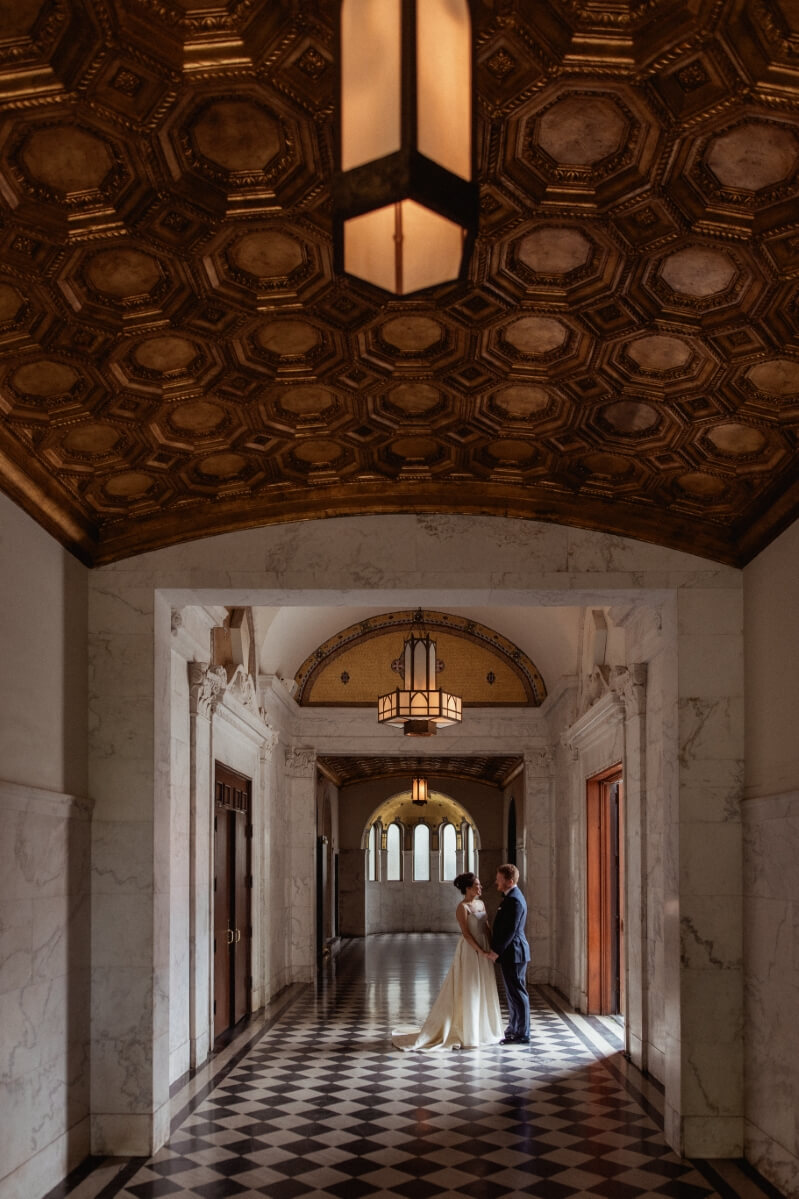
{"x":315,"y":1101}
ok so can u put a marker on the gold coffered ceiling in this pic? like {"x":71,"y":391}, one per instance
{"x":176,"y":358}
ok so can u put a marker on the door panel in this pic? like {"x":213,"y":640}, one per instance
{"x":241,"y":944}
{"x":604,"y":893}
{"x":232,"y":905}
{"x":222,"y":922}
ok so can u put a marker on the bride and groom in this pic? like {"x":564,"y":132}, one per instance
{"x":466,"y":1012}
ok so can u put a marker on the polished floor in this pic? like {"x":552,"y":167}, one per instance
{"x":314,"y":1101}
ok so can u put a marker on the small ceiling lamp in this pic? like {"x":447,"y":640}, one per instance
{"x":404,"y":196}
{"x":419,"y":707}
{"x":419,"y":792}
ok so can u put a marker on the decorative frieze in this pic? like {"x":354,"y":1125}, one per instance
{"x":241,"y":687}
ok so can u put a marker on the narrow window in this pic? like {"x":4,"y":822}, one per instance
{"x":371,"y":856}
{"x":469,"y":847}
{"x":448,"y":843}
{"x":393,"y":854}
{"x":421,"y":853}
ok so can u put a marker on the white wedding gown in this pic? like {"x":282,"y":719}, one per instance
{"x":466,"y":1012}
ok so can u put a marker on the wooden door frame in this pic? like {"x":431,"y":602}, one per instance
{"x":599,"y":934}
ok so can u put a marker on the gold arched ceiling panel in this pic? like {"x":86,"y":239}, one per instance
{"x":363,"y":661}
{"x":178,"y":359}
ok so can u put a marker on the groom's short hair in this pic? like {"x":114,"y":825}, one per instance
{"x":510,"y":872}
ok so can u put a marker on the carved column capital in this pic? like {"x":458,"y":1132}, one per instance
{"x":300,"y":761}
{"x":271,"y":739}
{"x":206,"y":687}
{"x":630,"y":686}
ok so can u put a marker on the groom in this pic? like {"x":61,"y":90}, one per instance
{"x":509,"y":945}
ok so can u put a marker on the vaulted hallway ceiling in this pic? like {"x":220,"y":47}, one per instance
{"x":177,"y":359}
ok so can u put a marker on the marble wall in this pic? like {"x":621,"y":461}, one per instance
{"x":771,"y":853}
{"x":45,"y":909}
{"x":670,"y":710}
{"x":388,"y":561}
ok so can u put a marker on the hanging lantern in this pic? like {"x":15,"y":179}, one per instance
{"x":419,"y":793}
{"x":419,"y":706}
{"x":404,"y":196}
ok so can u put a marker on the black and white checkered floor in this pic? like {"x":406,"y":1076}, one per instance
{"x":318,"y":1103}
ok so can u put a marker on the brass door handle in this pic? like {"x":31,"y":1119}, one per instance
{"x":231,"y":936}
{"x":238,"y":935}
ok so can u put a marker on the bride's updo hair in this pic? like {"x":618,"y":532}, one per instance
{"x":464,"y":881}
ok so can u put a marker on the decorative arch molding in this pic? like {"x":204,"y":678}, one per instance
{"x":360,"y":662}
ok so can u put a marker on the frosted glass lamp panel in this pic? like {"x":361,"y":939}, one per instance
{"x":444,"y":84}
{"x":420,"y":664}
{"x":370,"y":80}
{"x":393,"y":854}
{"x":421,"y":853}
{"x":448,"y":847}
{"x":432,"y":248}
{"x":370,"y":251}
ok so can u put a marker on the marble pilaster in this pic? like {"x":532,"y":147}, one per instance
{"x":536,"y":866}
{"x":129,"y":684}
{"x":206,"y":685}
{"x":703,"y":922}
{"x":301,"y":803}
{"x":632,"y":689}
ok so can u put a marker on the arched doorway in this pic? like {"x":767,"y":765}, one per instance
{"x":412,"y":856}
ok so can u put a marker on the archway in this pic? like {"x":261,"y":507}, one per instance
{"x":412,"y":857}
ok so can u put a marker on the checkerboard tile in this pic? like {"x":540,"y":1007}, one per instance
{"x":322,"y":1105}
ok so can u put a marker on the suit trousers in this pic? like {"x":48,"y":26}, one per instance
{"x":514,"y":973}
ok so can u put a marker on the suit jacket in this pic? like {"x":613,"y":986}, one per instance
{"x":508,"y":939}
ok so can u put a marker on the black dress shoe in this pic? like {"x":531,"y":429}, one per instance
{"x":515,"y":1041}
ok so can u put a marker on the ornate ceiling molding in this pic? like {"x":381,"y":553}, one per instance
{"x":505,"y":661}
{"x":177,"y":358}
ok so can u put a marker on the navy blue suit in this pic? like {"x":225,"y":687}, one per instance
{"x":510,"y":944}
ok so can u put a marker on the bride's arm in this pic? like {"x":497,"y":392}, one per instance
{"x":462,"y":916}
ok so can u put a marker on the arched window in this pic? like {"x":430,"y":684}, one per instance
{"x":393,"y":842}
{"x":469,"y":847}
{"x":421,"y":853}
{"x":448,"y":860}
{"x":371,"y":855}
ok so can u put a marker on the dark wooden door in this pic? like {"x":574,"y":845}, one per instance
{"x":605,"y":893}
{"x":232,"y":898}
{"x":223,"y":923}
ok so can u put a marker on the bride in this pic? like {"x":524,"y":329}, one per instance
{"x":466,"y":1012}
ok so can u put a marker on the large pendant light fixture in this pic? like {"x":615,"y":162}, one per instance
{"x":404,"y":195}
{"x":419,"y":707}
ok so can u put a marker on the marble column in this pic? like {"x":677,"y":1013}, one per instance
{"x":631,"y":686}
{"x":703,"y":879}
{"x":206,"y":685}
{"x":301,"y":800}
{"x":535,"y":861}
